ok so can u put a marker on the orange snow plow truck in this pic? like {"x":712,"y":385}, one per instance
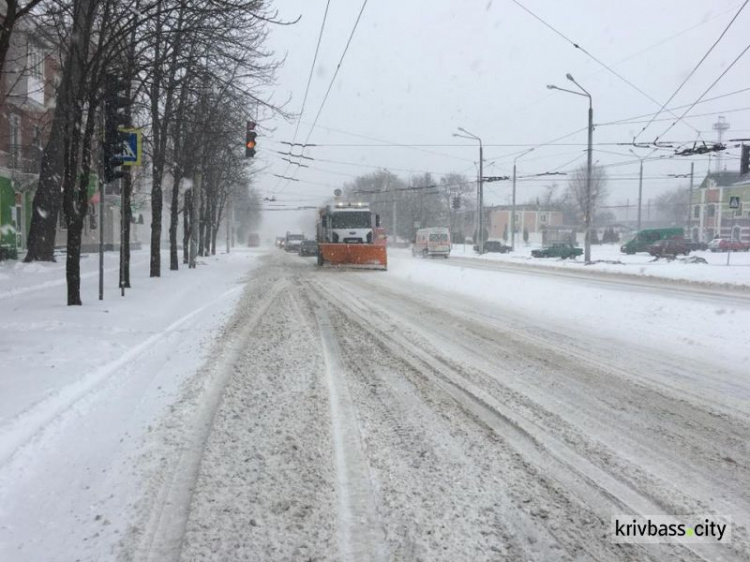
{"x":349,"y":235}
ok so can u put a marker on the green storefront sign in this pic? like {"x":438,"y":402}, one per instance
{"x":8,"y":247}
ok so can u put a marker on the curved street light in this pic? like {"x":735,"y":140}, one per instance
{"x":587,"y":210}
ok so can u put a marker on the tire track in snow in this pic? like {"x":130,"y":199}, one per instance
{"x":361,"y":535}
{"x":540,"y":447}
{"x":162,"y":541}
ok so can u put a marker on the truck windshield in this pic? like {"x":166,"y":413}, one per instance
{"x":439,"y":237}
{"x":351,"y":219}
{"x":296,"y":237}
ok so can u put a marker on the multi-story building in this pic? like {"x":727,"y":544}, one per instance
{"x":27,"y":102}
{"x":533,"y":219}
{"x":720,"y":207}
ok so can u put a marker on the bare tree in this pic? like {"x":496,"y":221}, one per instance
{"x":672,"y":205}
{"x":15,"y":11}
{"x":577,"y":194}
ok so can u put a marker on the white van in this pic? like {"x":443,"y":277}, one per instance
{"x":432,"y":242}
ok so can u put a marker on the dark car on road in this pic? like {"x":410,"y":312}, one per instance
{"x":669,"y":247}
{"x":308,"y":248}
{"x":560,"y":250}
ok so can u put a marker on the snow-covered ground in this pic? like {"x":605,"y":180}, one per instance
{"x":81,"y":388}
{"x":716,"y":271}
{"x":443,"y":410}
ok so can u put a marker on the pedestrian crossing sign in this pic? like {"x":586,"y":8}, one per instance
{"x":132,"y":147}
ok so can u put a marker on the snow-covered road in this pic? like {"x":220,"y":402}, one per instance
{"x":432,"y":412}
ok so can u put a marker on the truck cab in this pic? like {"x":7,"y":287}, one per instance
{"x":346,"y":223}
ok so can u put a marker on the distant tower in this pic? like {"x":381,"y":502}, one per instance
{"x":720,"y":126}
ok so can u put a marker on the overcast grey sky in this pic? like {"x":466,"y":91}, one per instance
{"x":416,"y":70}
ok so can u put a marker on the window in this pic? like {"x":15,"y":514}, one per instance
{"x":543,"y":218}
{"x":736,"y":234}
{"x":14,"y":149}
{"x":696,"y":211}
{"x":351,"y":219}
{"x":35,"y":61}
{"x":711,"y":211}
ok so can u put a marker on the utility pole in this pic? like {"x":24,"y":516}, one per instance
{"x":101,"y":237}
{"x":513,"y":203}
{"x":393,"y":208}
{"x":589,"y":163}
{"x":640,"y":194}
{"x":480,"y":187}
{"x":587,"y":246}
{"x":690,"y":202}
{"x":481,"y":199}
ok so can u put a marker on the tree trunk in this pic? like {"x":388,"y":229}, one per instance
{"x":73,"y":262}
{"x":174,"y":218}
{"x":188,"y":204}
{"x":5,"y":32}
{"x":156,"y":208}
{"x":202,"y":222}
{"x":57,"y":157}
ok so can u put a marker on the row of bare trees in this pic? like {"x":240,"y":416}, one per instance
{"x":195,"y":69}
{"x":406,"y":204}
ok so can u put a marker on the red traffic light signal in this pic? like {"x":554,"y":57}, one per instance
{"x":250,"y":140}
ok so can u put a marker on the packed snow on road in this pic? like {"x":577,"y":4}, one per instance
{"x":273,"y":410}
{"x":374,"y":281}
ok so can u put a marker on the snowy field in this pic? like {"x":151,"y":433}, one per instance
{"x":716,"y":271}
{"x":262,"y":409}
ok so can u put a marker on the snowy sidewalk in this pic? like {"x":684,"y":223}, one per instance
{"x":81,"y":388}
{"x":605,"y":258}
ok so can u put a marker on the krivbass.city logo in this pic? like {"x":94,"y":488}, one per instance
{"x":678,"y":529}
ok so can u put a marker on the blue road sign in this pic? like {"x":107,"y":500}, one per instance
{"x":131,"y":148}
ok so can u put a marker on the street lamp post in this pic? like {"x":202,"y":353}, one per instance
{"x":513,"y":203}
{"x":480,"y":186}
{"x":640,"y":188}
{"x":589,"y":163}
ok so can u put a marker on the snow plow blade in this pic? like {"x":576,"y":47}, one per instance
{"x":359,"y":256}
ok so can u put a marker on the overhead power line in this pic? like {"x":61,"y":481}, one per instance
{"x":692,"y":105}
{"x":695,"y":68}
{"x":312,"y":69}
{"x":587,"y":53}
{"x":336,"y":72}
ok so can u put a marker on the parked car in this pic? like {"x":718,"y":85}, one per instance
{"x":559,"y":250}
{"x":724,"y":245}
{"x":496,"y":247}
{"x":696,"y":246}
{"x":642,"y":239}
{"x":308,"y":248}
{"x":669,"y":247}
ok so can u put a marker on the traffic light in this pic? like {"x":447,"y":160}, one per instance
{"x":456,"y":202}
{"x":116,"y":109}
{"x":250,"y":140}
{"x":745,"y":159}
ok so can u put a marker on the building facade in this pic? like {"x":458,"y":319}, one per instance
{"x":534,"y":219}
{"x":27,"y":102}
{"x":720,"y":208}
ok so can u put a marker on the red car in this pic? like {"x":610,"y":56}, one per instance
{"x":724,"y":245}
{"x":669,"y":247}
